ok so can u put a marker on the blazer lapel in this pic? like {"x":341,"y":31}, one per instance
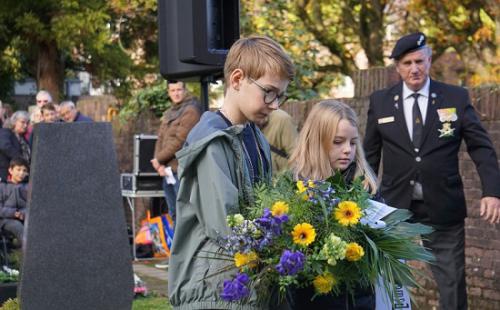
{"x":399,"y":115}
{"x":435,"y":101}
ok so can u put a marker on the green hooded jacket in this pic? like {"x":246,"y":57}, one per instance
{"x":214,"y":180}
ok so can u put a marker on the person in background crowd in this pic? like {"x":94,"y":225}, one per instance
{"x":7,"y":113}
{"x":35,"y":118}
{"x":13,"y":210}
{"x":176,"y":124}
{"x":18,"y":171}
{"x":281,"y":133}
{"x":42,"y":98}
{"x":419,"y":125}
{"x":49,"y":113}
{"x":12,"y":142}
{"x":69,"y":113}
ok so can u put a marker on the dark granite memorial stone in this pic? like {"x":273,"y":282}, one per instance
{"x":76,"y":251}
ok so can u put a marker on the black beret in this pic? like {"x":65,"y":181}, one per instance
{"x":408,"y":43}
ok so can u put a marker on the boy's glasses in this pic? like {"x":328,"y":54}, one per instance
{"x":270,"y":95}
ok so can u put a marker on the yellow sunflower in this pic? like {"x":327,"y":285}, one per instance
{"x":303,"y":234}
{"x":354,"y":252}
{"x":324,"y":283}
{"x":347,"y":213}
{"x":242,"y":259}
{"x":279,"y":208}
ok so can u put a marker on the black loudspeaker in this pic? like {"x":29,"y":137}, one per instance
{"x":195,"y":36}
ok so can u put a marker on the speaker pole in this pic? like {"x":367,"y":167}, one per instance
{"x":205,"y":81}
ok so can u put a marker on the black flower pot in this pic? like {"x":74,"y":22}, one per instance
{"x":7,"y":290}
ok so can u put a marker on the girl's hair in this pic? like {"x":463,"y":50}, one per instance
{"x":310,"y":157}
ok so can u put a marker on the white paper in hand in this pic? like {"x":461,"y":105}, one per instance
{"x":169,"y":175}
{"x":375,"y":212}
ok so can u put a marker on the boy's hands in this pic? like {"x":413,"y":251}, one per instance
{"x":19,"y":215}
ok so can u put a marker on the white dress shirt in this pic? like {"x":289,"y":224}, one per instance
{"x":408,"y":100}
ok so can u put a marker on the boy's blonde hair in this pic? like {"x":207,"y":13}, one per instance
{"x":310,"y":158}
{"x":256,"y":56}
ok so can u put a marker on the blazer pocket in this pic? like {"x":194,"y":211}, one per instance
{"x":454,"y":180}
{"x":387,"y":180}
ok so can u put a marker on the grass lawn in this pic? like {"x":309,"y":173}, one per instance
{"x":151,"y":303}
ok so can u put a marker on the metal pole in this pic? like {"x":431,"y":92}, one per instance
{"x":204,"y":93}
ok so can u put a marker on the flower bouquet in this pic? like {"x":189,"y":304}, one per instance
{"x":321,"y":234}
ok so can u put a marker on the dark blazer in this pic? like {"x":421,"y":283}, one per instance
{"x":9,"y":148}
{"x":436,"y":163}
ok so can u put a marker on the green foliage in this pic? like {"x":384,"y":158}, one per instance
{"x":465,"y":27}
{"x":88,"y":36}
{"x":322,"y":36}
{"x":4,"y":277}
{"x":154,"y":98}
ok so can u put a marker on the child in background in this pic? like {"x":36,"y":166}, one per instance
{"x":18,"y":171}
{"x":13,"y":197}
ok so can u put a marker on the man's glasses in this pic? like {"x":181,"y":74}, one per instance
{"x":270,"y":95}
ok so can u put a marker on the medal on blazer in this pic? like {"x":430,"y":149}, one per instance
{"x":446,"y":116}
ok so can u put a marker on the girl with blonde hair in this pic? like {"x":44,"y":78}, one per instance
{"x":329,"y":143}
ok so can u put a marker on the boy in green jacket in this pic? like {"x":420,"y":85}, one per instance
{"x":224,"y":156}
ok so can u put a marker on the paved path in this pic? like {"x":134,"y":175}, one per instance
{"x":148,"y":269}
{"x":156,"y":279}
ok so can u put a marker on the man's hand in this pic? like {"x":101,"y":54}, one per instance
{"x":161,"y":170}
{"x":490,"y":209}
{"x":155,"y":163}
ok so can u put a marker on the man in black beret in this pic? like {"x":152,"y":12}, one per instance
{"x":419,"y":125}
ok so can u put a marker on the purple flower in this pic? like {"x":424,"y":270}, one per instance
{"x":290,"y":263}
{"x":236,"y":289}
{"x":282,"y":218}
{"x":270,"y":226}
{"x":269,"y":222}
{"x":243,"y":238}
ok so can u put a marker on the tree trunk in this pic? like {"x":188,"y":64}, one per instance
{"x":372,"y":31}
{"x":50,"y":69}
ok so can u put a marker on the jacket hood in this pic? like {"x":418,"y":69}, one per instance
{"x":211,"y":126}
